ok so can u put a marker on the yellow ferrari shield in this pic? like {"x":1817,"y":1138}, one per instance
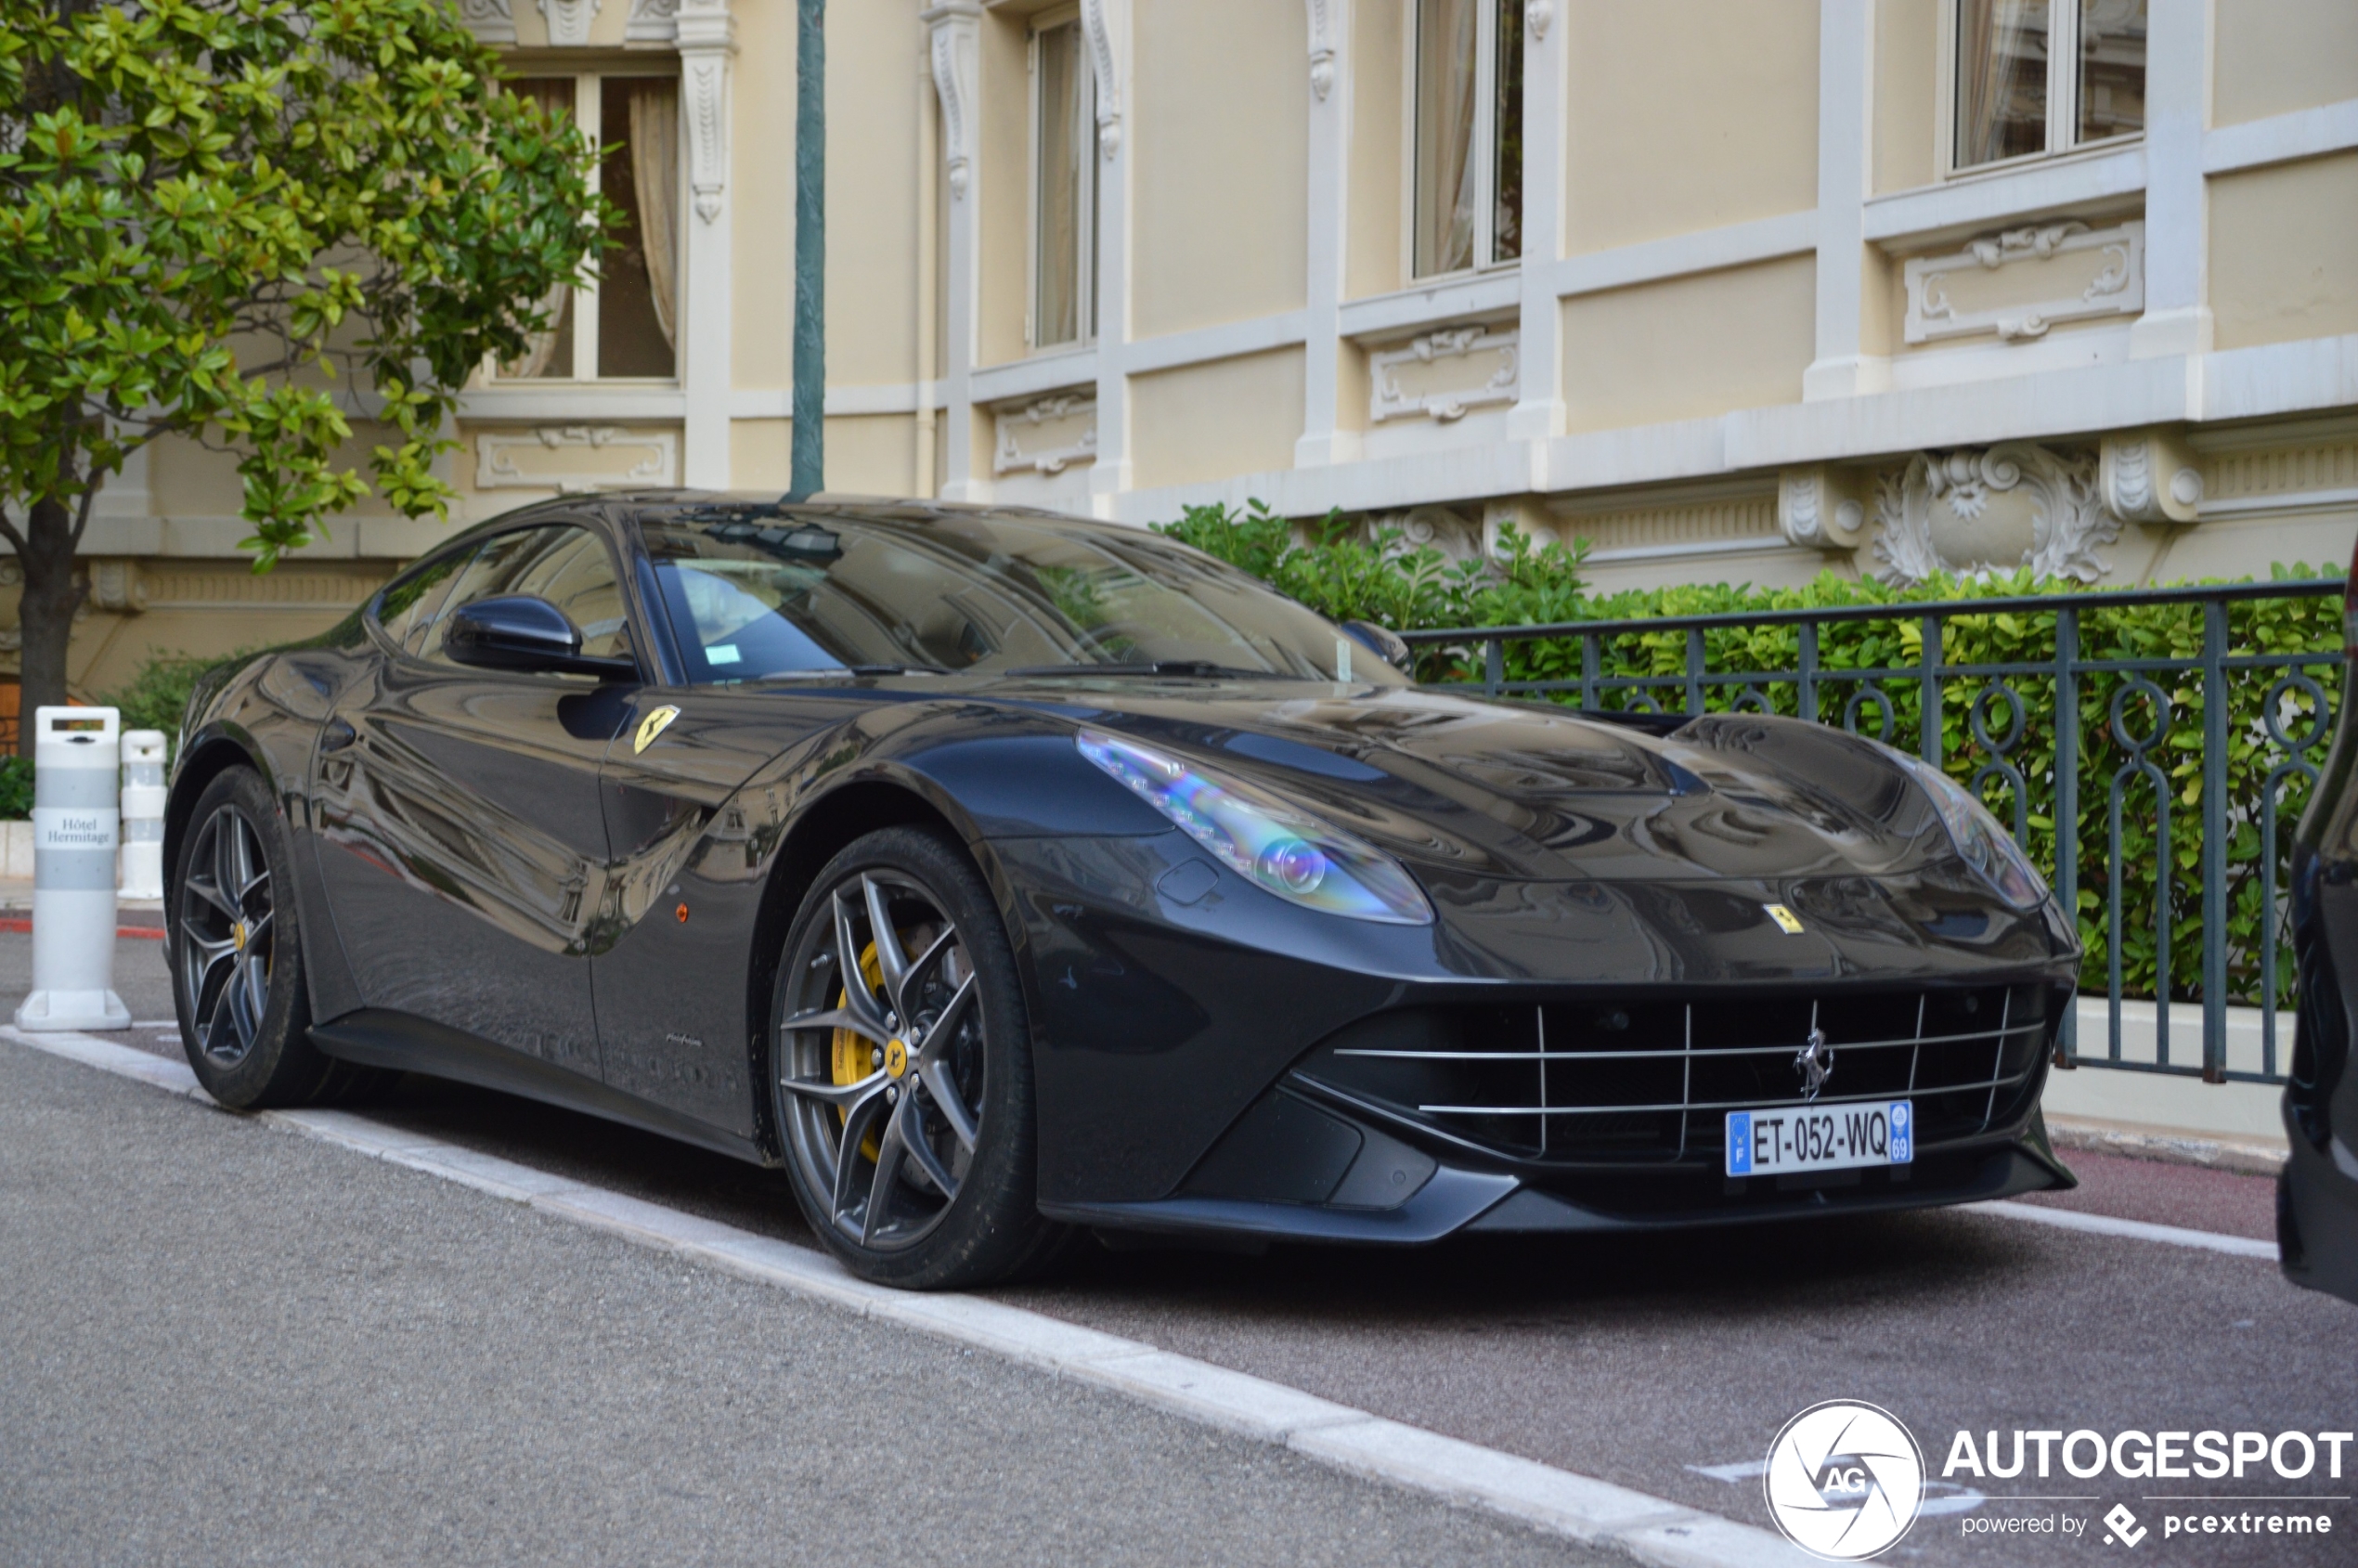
{"x":1787,"y":921}
{"x":653,"y":724}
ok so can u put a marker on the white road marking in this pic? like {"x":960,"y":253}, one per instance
{"x":2136,"y":1230}
{"x":1653,"y":1529}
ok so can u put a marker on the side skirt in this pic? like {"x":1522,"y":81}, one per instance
{"x":378,"y":1037}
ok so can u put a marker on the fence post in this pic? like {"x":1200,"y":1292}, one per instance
{"x":1493,"y":667}
{"x":1588,"y":663}
{"x":2214,"y":841}
{"x":2068,"y":805}
{"x":1695,"y":671}
{"x":1928,"y":721}
{"x":1808,"y":671}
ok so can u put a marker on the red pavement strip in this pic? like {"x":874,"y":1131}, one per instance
{"x":153,"y":933}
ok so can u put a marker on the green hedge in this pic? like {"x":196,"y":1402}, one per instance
{"x":1383,"y":581}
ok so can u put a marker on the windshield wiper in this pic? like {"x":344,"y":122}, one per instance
{"x":1200,"y":669}
{"x":854,"y":669}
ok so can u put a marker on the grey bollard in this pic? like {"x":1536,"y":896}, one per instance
{"x":75,"y":822}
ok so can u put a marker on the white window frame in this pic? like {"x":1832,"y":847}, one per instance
{"x":2063,"y":94}
{"x":1485,"y":145}
{"x":1084,"y":134}
{"x":588,"y":116}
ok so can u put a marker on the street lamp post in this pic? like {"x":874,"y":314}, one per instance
{"x":809,"y":251}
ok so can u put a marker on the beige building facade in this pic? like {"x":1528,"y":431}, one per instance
{"x":1735,"y":290}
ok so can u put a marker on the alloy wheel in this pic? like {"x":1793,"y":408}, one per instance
{"x":228,"y":933}
{"x":883,"y":1057}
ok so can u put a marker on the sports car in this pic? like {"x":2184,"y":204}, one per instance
{"x":1005,"y":877}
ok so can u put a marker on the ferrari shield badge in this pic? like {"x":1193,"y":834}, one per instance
{"x":1787,"y":921}
{"x":656,"y":722}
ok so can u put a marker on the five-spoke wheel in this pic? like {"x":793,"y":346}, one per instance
{"x":227,"y":934}
{"x":904,"y":1089}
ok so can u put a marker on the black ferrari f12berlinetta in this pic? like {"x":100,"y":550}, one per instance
{"x":998,"y":874}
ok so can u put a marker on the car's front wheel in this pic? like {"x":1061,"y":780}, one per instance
{"x":903,"y":1069}
{"x":237,"y":957}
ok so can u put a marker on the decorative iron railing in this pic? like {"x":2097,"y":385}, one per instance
{"x":2166,"y":709}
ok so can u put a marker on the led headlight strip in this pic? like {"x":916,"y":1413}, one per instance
{"x":1278,"y":847}
{"x":1980,"y":838}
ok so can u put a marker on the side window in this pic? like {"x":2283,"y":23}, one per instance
{"x":561,"y":562}
{"x":408,"y":606}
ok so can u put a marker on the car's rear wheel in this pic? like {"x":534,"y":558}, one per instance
{"x":903,"y":1069}
{"x":237,"y":957}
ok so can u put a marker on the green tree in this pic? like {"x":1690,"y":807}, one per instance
{"x":247,"y":222}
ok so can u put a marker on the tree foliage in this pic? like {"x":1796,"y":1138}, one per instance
{"x":247,"y":222}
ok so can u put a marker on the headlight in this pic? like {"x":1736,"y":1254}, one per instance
{"x":1259,"y":837}
{"x":1980,"y":838}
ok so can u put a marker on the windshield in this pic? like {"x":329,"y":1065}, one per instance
{"x":756,"y":593}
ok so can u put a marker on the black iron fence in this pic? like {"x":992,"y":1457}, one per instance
{"x":2151,"y":748}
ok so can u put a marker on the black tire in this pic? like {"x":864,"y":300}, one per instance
{"x":862,"y":1086}
{"x":237,"y":957}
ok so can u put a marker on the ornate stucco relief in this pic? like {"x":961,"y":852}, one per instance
{"x":2018,"y":282}
{"x":1097,"y":30}
{"x":1322,"y":46}
{"x":652,"y":21}
{"x":569,"y":22}
{"x":1048,"y":435}
{"x":955,"y":27}
{"x":1443,"y":375}
{"x":576,"y":458}
{"x":1822,"y":507}
{"x":2150,"y":476}
{"x":1997,"y":508}
{"x":492,"y":21}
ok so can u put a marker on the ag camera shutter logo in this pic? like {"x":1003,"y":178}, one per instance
{"x":1844,"y":1480}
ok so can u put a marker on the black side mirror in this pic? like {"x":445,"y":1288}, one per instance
{"x":1385,"y":644}
{"x":521,"y":632}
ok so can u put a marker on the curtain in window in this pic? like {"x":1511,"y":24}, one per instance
{"x":548,"y":353}
{"x":1446,"y":85}
{"x":1062,"y":145}
{"x":654,"y":169}
{"x":2001,"y":80}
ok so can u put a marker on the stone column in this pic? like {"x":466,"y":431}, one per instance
{"x":707,"y":41}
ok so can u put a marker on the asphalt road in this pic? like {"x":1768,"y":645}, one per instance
{"x":1668,"y":1364}
{"x":219,"y":1342}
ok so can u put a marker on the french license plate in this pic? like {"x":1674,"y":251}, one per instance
{"x":1841,"y":1137}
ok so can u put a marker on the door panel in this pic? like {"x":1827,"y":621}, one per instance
{"x":673,"y":994}
{"x":463,"y":844}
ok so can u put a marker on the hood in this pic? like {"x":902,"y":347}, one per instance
{"x":1535,"y":792}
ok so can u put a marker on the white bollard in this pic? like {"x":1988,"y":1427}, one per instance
{"x":143,"y":796}
{"x":76,"y":759}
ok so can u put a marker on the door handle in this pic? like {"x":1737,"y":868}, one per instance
{"x":336,"y":735}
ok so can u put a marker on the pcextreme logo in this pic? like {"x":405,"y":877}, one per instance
{"x":1844,"y":1480}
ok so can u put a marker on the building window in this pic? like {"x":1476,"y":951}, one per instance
{"x":1468,"y":158}
{"x":624,"y":324}
{"x":1064,"y":185}
{"x":2044,"y":76}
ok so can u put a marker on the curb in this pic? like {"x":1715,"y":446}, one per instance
{"x":1578,"y":1508}
{"x":2171,"y":1149}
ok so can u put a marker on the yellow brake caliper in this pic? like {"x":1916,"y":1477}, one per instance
{"x":853,"y":1055}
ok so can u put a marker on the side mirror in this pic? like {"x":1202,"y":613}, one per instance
{"x":1385,"y":644}
{"x":520,"y":632}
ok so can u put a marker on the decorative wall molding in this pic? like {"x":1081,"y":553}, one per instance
{"x":117,"y":586}
{"x":652,"y":21}
{"x":1443,"y":375}
{"x":2150,"y":476}
{"x":1822,"y":507}
{"x":1097,"y":30}
{"x":1951,"y":296}
{"x":956,"y":28}
{"x":569,"y":22}
{"x":2263,"y":473}
{"x":576,"y":459}
{"x":1047,"y":437}
{"x":706,"y":36}
{"x":492,"y":21}
{"x":1978,"y":509}
{"x":1541,"y":14}
{"x":1322,"y":46}
{"x":1689,"y":517}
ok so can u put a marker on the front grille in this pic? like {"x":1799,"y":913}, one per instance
{"x":1589,"y":1080}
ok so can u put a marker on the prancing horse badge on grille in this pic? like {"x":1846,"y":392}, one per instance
{"x":1814,"y":1063}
